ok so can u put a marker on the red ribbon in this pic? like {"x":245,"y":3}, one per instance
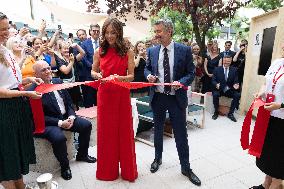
{"x":260,"y":128}
{"x":36,"y":104}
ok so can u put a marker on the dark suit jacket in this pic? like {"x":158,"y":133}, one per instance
{"x":219,"y":77}
{"x":230,"y":53}
{"x":183,"y":70}
{"x":84,"y":69}
{"x":52,"y":113}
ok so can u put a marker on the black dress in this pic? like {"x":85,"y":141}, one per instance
{"x":139,"y":76}
{"x":271,"y":161}
{"x":240,"y":64}
{"x":206,"y":80}
{"x":16,"y":138}
{"x":74,"y":91}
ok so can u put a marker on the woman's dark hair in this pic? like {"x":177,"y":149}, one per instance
{"x":136,"y":45}
{"x":34,"y":39}
{"x":120,"y":45}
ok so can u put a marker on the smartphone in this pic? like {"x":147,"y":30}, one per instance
{"x":71,"y":50}
{"x":70,"y":35}
{"x":29,"y":43}
{"x":44,"y":39}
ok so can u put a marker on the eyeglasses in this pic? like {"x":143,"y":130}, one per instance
{"x":46,"y":69}
{"x":96,"y":31}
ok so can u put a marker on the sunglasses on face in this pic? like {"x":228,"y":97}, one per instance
{"x":96,"y":31}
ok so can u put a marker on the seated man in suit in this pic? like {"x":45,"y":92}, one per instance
{"x":59,"y":115}
{"x":225,"y":82}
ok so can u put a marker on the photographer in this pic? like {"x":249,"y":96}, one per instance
{"x":65,"y":63}
{"x":240,"y":59}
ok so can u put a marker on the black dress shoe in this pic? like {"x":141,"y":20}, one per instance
{"x":232,"y":117}
{"x":257,"y":187}
{"x":155,"y":165}
{"x":66,"y":174}
{"x":88,"y":159}
{"x":192,"y":177}
{"x":215,"y":116}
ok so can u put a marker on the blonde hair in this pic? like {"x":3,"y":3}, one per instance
{"x":9,"y":43}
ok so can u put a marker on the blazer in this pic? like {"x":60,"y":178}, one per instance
{"x":219,"y":77}
{"x":230,"y":53}
{"x":183,"y":69}
{"x":84,"y":69}
{"x":52,"y":113}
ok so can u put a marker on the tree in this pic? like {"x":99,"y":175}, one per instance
{"x":265,"y":4}
{"x":182,"y":23}
{"x":204,"y":14}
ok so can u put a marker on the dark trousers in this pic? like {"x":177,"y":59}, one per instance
{"x":230,"y":94}
{"x":56,"y":137}
{"x":160,"y":104}
{"x":89,"y":94}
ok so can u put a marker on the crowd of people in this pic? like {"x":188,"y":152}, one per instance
{"x":27,"y":61}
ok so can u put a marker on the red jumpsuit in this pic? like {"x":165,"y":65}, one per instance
{"x":115,"y":139}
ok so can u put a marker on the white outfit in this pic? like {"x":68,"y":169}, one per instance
{"x":7,"y":77}
{"x":279,"y":87}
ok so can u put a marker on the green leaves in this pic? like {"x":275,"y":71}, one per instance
{"x":266,"y":5}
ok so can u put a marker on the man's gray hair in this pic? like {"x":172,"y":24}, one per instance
{"x":167,"y":23}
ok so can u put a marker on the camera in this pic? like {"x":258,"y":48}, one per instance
{"x":26,"y":25}
{"x":242,"y":45}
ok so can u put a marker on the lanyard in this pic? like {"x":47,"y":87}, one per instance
{"x":274,"y":81}
{"x":20,"y":86}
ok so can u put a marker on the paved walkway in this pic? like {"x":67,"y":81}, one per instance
{"x":215,"y":155}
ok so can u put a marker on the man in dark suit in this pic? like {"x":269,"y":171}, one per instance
{"x":170,"y":62}
{"x":226,"y":83}
{"x":95,"y":35}
{"x":227,"y":51}
{"x":59,"y":115}
{"x":84,"y":69}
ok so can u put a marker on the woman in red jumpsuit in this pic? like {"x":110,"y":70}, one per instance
{"x":115,"y":139}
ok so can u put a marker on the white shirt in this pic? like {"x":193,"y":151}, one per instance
{"x":94,"y":42}
{"x":227,"y":71}
{"x":60,"y":102}
{"x":8,"y":79}
{"x":279,"y":87}
{"x":170,"y":51}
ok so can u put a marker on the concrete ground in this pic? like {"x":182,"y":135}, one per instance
{"x":215,"y":156}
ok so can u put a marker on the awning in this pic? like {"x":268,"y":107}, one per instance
{"x":71,"y":17}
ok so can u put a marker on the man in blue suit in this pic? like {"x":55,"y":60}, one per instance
{"x":226,"y":83}
{"x":228,"y":51}
{"x":59,"y":115}
{"x":170,"y":62}
{"x":84,"y":69}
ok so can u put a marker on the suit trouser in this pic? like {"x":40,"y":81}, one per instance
{"x":230,"y":94}
{"x":160,"y":104}
{"x":89,"y":94}
{"x":56,"y":137}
